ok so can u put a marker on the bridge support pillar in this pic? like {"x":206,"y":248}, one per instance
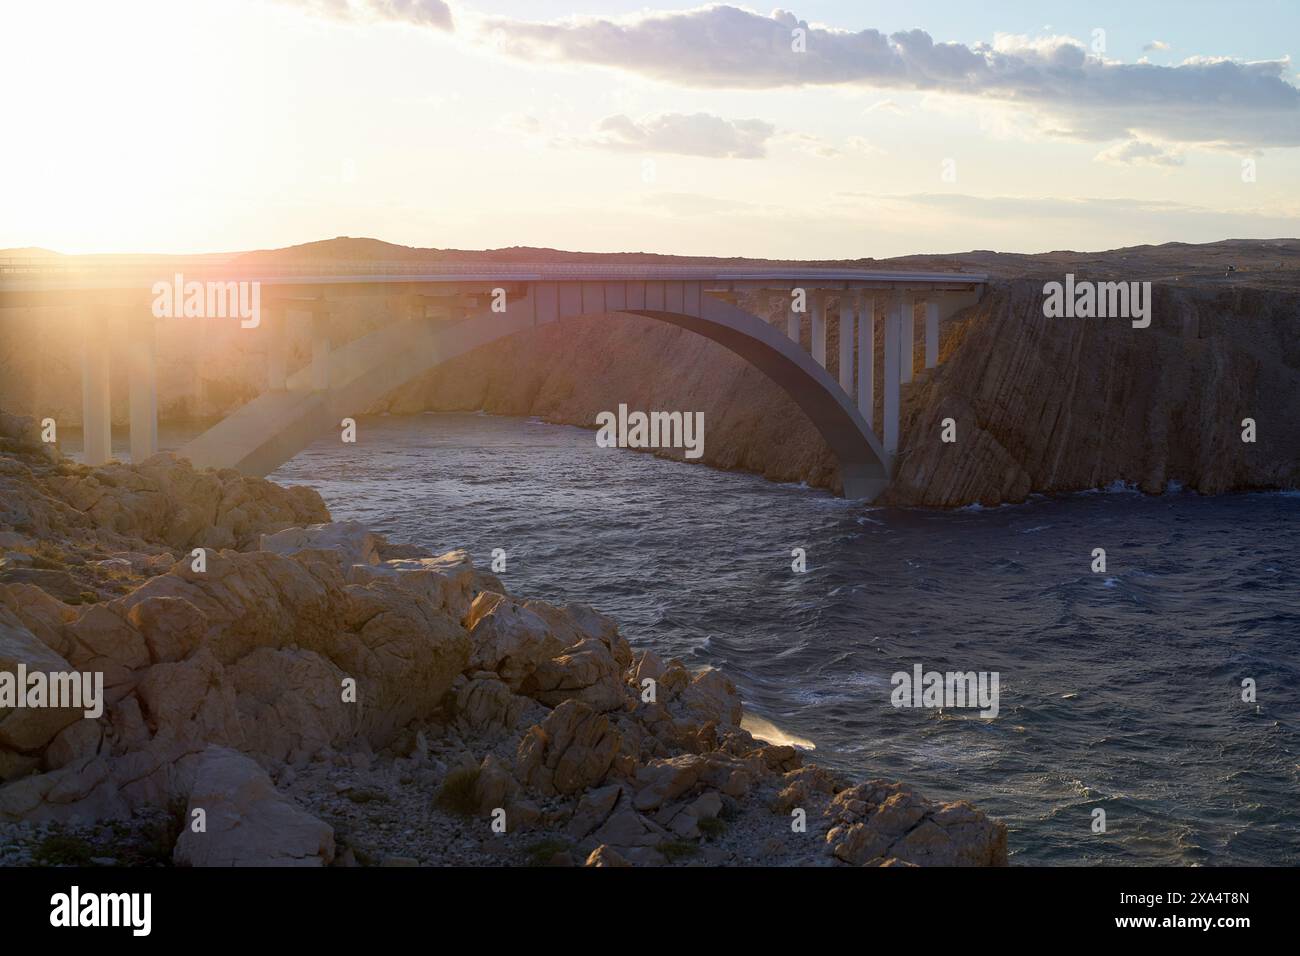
{"x":907,"y":345}
{"x":277,"y":348}
{"x":143,"y":377}
{"x":819,"y":329}
{"x":893,"y":369}
{"x":867,"y":359}
{"x":860,"y":482}
{"x":96,"y":411}
{"x":792,"y":323}
{"x":846,"y":344}
{"x":320,"y":352}
{"x":931,"y":333}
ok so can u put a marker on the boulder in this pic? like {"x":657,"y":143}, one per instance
{"x":661,"y":781}
{"x":571,"y":750}
{"x":606,"y":856}
{"x":172,"y":627}
{"x":879,"y":821}
{"x":587,"y":672}
{"x":576,"y":622}
{"x":483,"y":704}
{"x":508,"y":638}
{"x":351,"y":541}
{"x":593,"y":810}
{"x":249,"y":823}
{"x":27,"y":729}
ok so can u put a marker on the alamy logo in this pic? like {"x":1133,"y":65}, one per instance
{"x":1098,"y":300}
{"x":208,"y":300}
{"x":652,"y":430}
{"x":103,"y":909}
{"x":953,"y":689}
{"x":80,"y":690}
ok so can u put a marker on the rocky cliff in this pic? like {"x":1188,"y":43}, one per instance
{"x":279,"y":689}
{"x":1060,"y":405}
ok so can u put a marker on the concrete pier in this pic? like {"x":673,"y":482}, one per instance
{"x":276,"y":322}
{"x":931,"y":333}
{"x":893,"y":369}
{"x":320,"y":352}
{"x":142,"y":371}
{"x":96,"y":407}
{"x":907,"y":344}
{"x":846,"y":343}
{"x":819,"y":330}
{"x":867,"y":359}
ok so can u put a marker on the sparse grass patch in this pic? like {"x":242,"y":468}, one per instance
{"x":364,"y":795}
{"x":364,"y":857}
{"x":540,"y":853}
{"x":711,"y":827}
{"x":63,"y":849}
{"x":45,"y":556}
{"x":159,"y":836}
{"x":676,"y":850}
{"x":457,"y":793}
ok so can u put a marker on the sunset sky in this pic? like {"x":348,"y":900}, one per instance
{"x":604,"y":125}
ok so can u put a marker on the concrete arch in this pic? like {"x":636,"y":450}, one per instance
{"x":274,"y":427}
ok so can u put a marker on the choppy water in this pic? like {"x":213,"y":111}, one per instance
{"x":1119,"y":690}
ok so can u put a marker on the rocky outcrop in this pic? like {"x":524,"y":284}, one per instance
{"x":879,"y":822}
{"x":1062,"y":405}
{"x":239,"y":688}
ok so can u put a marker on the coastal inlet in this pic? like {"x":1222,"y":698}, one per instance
{"x":1119,"y":691}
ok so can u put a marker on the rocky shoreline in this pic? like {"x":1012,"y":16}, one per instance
{"x":326,"y":697}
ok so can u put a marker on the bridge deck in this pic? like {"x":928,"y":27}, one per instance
{"x":36,"y":274}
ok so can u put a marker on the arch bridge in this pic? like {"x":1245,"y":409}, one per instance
{"x":452,"y":309}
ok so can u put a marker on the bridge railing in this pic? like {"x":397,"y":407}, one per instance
{"x":155,"y":268}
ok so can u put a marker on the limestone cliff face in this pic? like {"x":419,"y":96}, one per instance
{"x":1059,"y":405}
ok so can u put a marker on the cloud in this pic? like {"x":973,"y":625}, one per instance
{"x":885,"y":106}
{"x":1155,"y":45}
{"x":1135,"y":152}
{"x":424,"y":13}
{"x":810,"y":144}
{"x":524,"y":123}
{"x":862,"y":146}
{"x":1219,"y":102}
{"x":695,"y":134}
